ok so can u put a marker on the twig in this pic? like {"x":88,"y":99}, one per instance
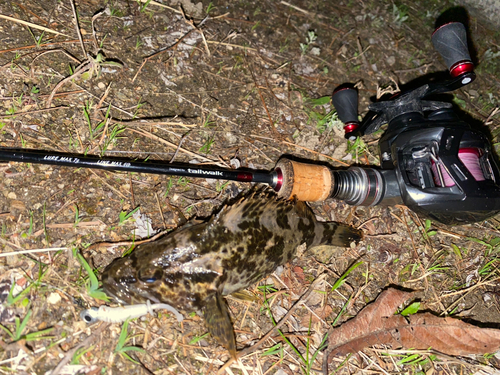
{"x":33,"y":14}
{"x":34,"y":111}
{"x":490,"y":116}
{"x":160,"y":52}
{"x":179,"y":146}
{"x":81,"y":69}
{"x":77,"y":27}
{"x":368,"y":359}
{"x":104,"y":133}
{"x":104,"y":96}
{"x":271,"y":124}
{"x":362,"y":53}
{"x":105,"y":103}
{"x":414,"y":247}
{"x":52,"y":51}
{"x":32,"y":251}
{"x":253,"y":348}
{"x":35,"y":26}
{"x":153,"y":123}
{"x":84,"y":344}
{"x":388,"y":90}
{"x":161,"y":212}
{"x":232,"y":45}
{"x":425,"y":66}
{"x":196,"y":27}
{"x":10,"y":244}
{"x":82,"y":224}
{"x":310,"y":14}
{"x":106,"y":245}
{"x":132,"y":196}
{"x":160,"y":5}
{"x":41,"y":45}
{"x":202,"y":108}
{"x":435,"y":352}
{"x":427,"y":285}
{"x":260,"y":151}
{"x":96,"y":16}
{"x":315,"y":152}
{"x":469,"y":290}
{"x":170,"y":144}
{"x":108,"y":185}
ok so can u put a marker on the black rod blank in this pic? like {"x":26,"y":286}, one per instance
{"x":116,"y":164}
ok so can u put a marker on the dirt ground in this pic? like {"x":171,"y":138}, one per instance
{"x":231,"y":84}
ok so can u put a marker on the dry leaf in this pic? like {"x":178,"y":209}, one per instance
{"x":299,"y":274}
{"x":377,"y":324}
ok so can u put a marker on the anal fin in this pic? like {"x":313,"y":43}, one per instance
{"x":337,"y":234}
{"x":218,"y":322}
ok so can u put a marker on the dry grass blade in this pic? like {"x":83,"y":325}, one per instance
{"x":35,"y":26}
{"x":155,"y":3}
{"x":85,"y":343}
{"x":253,"y":348}
{"x":176,"y":147}
{"x":32,"y":251}
{"x":377,"y":324}
{"x":83,"y":68}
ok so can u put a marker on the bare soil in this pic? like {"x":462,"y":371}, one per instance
{"x":224,"y":81}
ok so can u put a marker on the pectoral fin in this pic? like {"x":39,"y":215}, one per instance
{"x":218,"y":322}
{"x":244,"y":295}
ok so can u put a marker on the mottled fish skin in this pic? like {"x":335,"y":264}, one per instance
{"x":236,"y":248}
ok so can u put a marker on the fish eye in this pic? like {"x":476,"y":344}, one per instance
{"x":148,"y":278}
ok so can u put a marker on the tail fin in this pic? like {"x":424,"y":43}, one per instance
{"x":337,"y":234}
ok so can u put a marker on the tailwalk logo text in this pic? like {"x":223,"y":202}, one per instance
{"x":210,"y":173}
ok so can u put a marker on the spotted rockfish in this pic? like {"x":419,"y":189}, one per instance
{"x":193,"y":266}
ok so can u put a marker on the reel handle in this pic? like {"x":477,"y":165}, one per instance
{"x":450,"y":40}
{"x":345,"y":101}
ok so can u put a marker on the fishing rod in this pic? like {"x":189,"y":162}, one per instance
{"x":306,"y":182}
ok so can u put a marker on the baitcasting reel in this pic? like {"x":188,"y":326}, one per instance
{"x":431,"y":160}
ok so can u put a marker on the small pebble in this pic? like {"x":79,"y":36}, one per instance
{"x":235,"y":163}
{"x":54,"y":298}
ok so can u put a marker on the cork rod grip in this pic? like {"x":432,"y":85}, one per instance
{"x":306,"y":182}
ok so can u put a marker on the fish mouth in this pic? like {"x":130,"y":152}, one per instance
{"x":116,"y":292}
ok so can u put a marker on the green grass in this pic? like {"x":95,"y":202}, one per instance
{"x":126,"y":216}
{"x":16,"y":333}
{"x":311,"y":37}
{"x":91,"y":283}
{"x":121,"y":349}
{"x":318,"y":115}
{"x":411,"y":309}
{"x":207,"y":146}
{"x":112,"y":137}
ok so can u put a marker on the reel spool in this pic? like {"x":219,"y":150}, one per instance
{"x":470,"y":157}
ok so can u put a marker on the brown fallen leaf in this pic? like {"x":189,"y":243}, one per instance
{"x":299,"y":274}
{"x":377,"y":324}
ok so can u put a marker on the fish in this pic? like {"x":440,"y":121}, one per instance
{"x":194,"y":266}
